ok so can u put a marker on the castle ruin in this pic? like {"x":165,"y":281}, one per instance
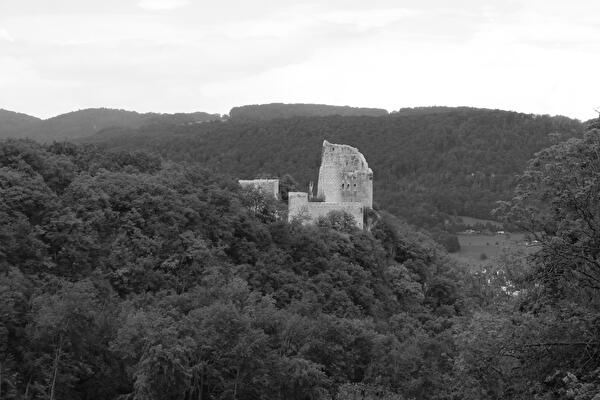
{"x":345,"y":184}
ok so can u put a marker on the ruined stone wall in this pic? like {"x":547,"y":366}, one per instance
{"x":269,"y":187}
{"x":345,"y":184}
{"x":298,"y":205}
{"x":308,"y":212}
{"x":317,"y":210}
{"x":344,"y":175}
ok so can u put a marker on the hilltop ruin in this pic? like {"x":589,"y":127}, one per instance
{"x":345,"y":184}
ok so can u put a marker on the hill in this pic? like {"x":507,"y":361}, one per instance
{"x":264,"y":112}
{"x":126,"y":276}
{"x":83,"y":123}
{"x":427,"y":164}
{"x":121,"y":276}
{"x":12,"y":124}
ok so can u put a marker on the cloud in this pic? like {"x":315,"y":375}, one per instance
{"x":365,"y":20}
{"x":528,"y":55}
{"x":162,"y":5}
{"x":5,"y":36}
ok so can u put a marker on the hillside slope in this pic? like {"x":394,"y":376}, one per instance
{"x":83,"y":123}
{"x":164,"y":269}
{"x":12,"y":124}
{"x":426,"y":164}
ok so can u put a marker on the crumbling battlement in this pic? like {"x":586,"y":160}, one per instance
{"x":299,"y":207}
{"x":345,"y":184}
{"x":344,"y":175}
{"x":269,"y":187}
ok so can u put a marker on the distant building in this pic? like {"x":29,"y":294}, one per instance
{"x":270,"y":187}
{"x":345,"y":184}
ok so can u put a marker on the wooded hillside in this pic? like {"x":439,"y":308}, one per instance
{"x":427,"y":162}
{"x":84,"y":123}
{"x":265,"y":112}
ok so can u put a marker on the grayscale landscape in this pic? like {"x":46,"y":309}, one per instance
{"x":341,"y":200}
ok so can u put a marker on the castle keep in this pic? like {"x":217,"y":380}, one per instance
{"x":345,"y":176}
{"x":345,"y":184}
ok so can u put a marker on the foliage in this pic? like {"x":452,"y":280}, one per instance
{"x":84,"y":123}
{"x":124,"y":276}
{"x":262,"y":112}
{"x":429,"y":164}
{"x":557,"y":202}
{"x":543,"y":336}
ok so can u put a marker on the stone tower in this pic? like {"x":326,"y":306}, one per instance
{"x":344,"y":176}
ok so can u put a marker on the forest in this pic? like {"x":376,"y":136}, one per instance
{"x":429,"y":163}
{"x":87,"y":122}
{"x":263,"y":112}
{"x":128,"y":276}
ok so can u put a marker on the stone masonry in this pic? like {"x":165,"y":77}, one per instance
{"x":345,"y":184}
{"x":344,"y":175}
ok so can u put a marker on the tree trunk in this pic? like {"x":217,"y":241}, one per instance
{"x":235,"y":385}
{"x":55,"y":372}
{"x":27,"y":388}
{"x":201,"y":384}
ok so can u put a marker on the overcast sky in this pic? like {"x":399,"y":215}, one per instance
{"x":534,"y":56}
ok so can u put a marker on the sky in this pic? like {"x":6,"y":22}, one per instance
{"x":533,"y":56}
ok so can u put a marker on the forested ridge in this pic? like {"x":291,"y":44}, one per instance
{"x":84,"y":123}
{"x":13,"y":124}
{"x":263,"y":112}
{"x":428,"y":163}
{"x":124,"y":276}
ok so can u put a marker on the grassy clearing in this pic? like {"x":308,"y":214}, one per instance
{"x":473,"y":247}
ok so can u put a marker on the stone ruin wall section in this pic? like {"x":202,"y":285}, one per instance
{"x":317,"y":210}
{"x":297,"y":205}
{"x":308,"y":212}
{"x":344,"y":165}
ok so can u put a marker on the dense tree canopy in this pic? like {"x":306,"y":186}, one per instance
{"x":551,"y":336}
{"x":558,"y":202}
{"x":124,"y":275}
{"x":428,"y":163}
{"x":264,"y":112}
{"x":84,"y":123}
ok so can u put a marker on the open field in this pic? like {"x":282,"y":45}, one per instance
{"x":474,"y":247}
